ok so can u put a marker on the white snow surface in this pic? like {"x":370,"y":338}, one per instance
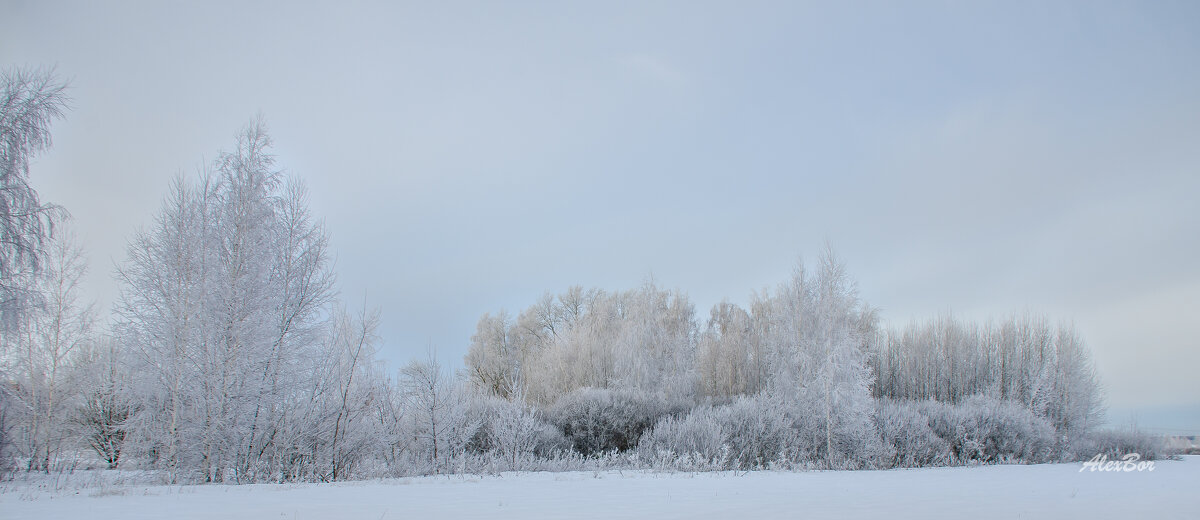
{"x":1172,"y":490}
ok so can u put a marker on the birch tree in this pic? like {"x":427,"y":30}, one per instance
{"x":1045,"y":368}
{"x":226,"y":301}
{"x":357,"y":389}
{"x":48,"y":338}
{"x":841,"y":379}
{"x":159,"y":317}
{"x":30,"y":100}
{"x":439,"y":421}
{"x":493,"y":360}
{"x":731,"y":360}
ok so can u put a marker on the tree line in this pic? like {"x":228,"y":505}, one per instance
{"x":803,"y":377}
{"x":229,"y":357}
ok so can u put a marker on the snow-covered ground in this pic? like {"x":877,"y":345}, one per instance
{"x":1172,"y":490}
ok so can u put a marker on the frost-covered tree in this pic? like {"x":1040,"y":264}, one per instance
{"x":731,"y":360}
{"x":300,"y":280}
{"x":841,"y":379}
{"x":643,"y":339}
{"x":357,"y":390}
{"x":7,"y":457}
{"x":225,"y":301}
{"x":437,"y":408}
{"x":1023,"y":359}
{"x":160,"y":319}
{"x":30,"y":100}
{"x":494,"y":360}
{"x":49,"y":336}
{"x":243,"y":300}
{"x":106,"y":407}
{"x":815,"y":327}
{"x":1076,"y":407}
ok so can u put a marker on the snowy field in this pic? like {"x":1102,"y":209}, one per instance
{"x":1172,"y":490}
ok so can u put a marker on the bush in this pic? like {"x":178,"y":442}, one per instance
{"x":597,"y":421}
{"x":1115,"y":444}
{"x":853,"y":440}
{"x":905,"y":430}
{"x":751,"y":432}
{"x":984,"y":429}
{"x":512,"y":432}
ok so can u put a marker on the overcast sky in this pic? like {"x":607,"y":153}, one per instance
{"x":960,"y":156}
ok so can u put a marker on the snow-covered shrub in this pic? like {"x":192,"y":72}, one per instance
{"x":750,"y":432}
{"x":596,"y":420}
{"x":843,"y":436}
{"x":1118,"y":443}
{"x":908,"y":440}
{"x":512,"y":432}
{"x":987,"y":430}
{"x":699,"y":435}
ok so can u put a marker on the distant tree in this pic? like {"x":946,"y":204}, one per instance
{"x":641,"y":339}
{"x":1024,"y":359}
{"x":1076,"y":406}
{"x":493,"y":360}
{"x":730,"y":357}
{"x":438,"y":413}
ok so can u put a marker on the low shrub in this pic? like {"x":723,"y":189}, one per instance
{"x":751,"y":432}
{"x":983,"y":429}
{"x":596,"y":420}
{"x":1117,"y":443}
{"x":908,"y":440}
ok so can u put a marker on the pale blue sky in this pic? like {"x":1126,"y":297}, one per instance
{"x":467,"y":157}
